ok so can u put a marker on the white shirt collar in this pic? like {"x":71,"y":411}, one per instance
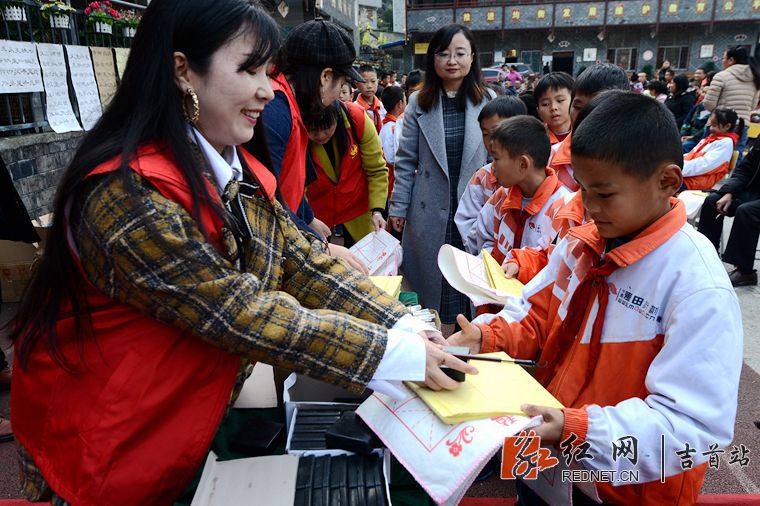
{"x":224,"y":166}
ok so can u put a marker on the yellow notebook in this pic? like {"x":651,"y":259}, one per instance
{"x":390,"y":284}
{"x":496,"y":276}
{"x":499,"y":389}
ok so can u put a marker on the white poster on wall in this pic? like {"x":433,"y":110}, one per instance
{"x":60,"y":115}
{"x":85,"y":87}
{"x":19,"y":68}
{"x":706,"y":51}
{"x":589,"y":54}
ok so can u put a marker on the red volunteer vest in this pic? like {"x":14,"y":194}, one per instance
{"x":135,"y":422}
{"x":293,"y":171}
{"x":336,"y":203}
{"x":707,"y":181}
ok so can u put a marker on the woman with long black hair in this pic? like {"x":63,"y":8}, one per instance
{"x":440,"y":148}
{"x":171,"y":265}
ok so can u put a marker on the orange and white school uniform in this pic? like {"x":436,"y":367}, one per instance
{"x":708,"y":162}
{"x":376,"y":111}
{"x":565,"y":213}
{"x":642,"y":340}
{"x":555,"y":139}
{"x":562,"y":165}
{"x":479,"y":189}
{"x":389,"y":137}
{"x":509,"y":220}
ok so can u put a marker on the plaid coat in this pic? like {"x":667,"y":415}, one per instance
{"x":274,"y":297}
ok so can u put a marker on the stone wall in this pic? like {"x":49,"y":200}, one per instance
{"x":36,"y":162}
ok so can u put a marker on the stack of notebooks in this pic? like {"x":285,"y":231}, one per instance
{"x":390,"y":284}
{"x":499,"y":388}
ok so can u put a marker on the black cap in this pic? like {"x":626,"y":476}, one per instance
{"x":324,"y":44}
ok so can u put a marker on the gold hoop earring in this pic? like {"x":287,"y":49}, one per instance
{"x":191,"y":117}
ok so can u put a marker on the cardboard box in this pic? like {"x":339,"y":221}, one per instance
{"x":302,"y":391}
{"x":17,"y":258}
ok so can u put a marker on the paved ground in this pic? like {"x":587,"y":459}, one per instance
{"x":726,"y":480}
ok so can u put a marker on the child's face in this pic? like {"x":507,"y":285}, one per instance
{"x":322,"y":136}
{"x":717,"y":128}
{"x":554,"y":109}
{"x":508,"y":171}
{"x":487,"y":126}
{"x":369,"y":87}
{"x":579,"y":102}
{"x":345,"y":93}
{"x":622,"y":204}
{"x":642,"y":77}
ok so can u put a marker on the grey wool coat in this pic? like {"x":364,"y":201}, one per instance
{"x":421,"y":190}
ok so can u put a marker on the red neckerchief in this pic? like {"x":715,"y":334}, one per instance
{"x":594,"y":283}
{"x":374,"y":108}
{"x":389,"y":118}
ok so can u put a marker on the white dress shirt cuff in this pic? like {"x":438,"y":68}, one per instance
{"x":411,"y":324}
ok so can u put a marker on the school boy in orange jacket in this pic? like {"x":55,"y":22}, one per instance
{"x":634,"y":323}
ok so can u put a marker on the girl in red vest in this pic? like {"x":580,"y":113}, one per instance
{"x":352,"y":178}
{"x":309,"y":73}
{"x":708,"y":162}
{"x":172,"y":265}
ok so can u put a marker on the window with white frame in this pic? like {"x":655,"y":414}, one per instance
{"x":678,"y":56}
{"x":626,"y":58}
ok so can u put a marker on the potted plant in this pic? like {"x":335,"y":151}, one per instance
{"x":58,"y":13}
{"x":129,"y":21}
{"x":14,"y":11}
{"x":101,"y":16}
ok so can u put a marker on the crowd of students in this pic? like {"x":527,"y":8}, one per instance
{"x":191,"y":238}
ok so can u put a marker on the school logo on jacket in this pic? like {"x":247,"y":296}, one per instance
{"x":636,"y":303}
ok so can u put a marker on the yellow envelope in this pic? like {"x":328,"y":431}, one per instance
{"x":499,"y":389}
{"x":496,"y":277}
{"x":390,"y":284}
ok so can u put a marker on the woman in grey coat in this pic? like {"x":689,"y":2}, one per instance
{"x":439,"y":150}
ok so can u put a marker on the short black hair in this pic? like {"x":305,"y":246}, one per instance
{"x":553,"y":81}
{"x":658,"y":86}
{"x":367,"y":68}
{"x":524,"y":135}
{"x":503,"y":107}
{"x":600,"y":77}
{"x":392,"y":95}
{"x":327,"y":120}
{"x":529,"y":99}
{"x":605,"y":133}
{"x":415,"y":77}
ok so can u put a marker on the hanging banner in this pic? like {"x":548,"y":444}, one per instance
{"x":122,"y":54}
{"x":19,"y":68}
{"x":85,"y":87}
{"x":105,"y":73}
{"x":60,"y":115}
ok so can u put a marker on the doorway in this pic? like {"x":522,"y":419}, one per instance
{"x":562,"y":61}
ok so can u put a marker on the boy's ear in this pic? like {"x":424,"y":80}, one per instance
{"x":671,"y":178}
{"x":526,"y":163}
